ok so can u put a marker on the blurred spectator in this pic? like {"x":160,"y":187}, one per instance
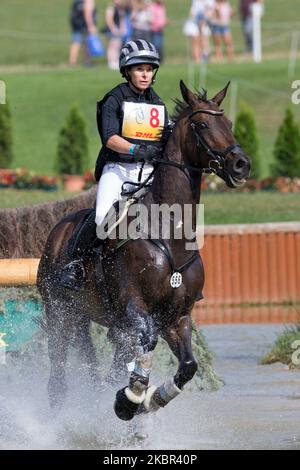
{"x":158,"y":23}
{"x":128,"y":26}
{"x":220,"y":24}
{"x":141,"y":20}
{"x":247,"y":21}
{"x":196,"y":28}
{"x":83,"y":22}
{"x":115,"y":31}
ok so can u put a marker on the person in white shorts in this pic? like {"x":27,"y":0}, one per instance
{"x":131,"y":119}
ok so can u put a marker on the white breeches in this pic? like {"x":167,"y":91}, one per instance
{"x":110,"y":184}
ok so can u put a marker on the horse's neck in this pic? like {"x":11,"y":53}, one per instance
{"x":171,"y":185}
{"x":178,"y":190}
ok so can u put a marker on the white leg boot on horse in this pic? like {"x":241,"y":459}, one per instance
{"x":179,"y":340}
{"x":143,"y":339}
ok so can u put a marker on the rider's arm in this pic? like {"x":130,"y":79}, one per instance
{"x":111,"y":127}
{"x":118,"y":144}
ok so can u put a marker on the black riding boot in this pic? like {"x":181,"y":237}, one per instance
{"x":83,"y":245}
{"x":73,"y":275}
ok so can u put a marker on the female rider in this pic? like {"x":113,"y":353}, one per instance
{"x":130,"y":119}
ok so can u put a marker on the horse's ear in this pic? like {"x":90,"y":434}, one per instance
{"x":221,"y":95}
{"x":187,"y":95}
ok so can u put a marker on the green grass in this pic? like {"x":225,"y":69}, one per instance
{"x":239,"y":208}
{"x":37,"y":32}
{"x":282,"y":350}
{"x":224,"y":208}
{"x":40,"y":101}
{"x":16,"y":197}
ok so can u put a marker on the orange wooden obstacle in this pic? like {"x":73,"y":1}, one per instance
{"x":255,"y":263}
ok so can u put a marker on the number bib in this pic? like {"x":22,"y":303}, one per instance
{"x":143,"y":121}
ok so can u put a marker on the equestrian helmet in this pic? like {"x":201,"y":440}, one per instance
{"x":137,"y":52}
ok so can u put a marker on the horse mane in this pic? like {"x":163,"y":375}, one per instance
{"x":181,"y":106}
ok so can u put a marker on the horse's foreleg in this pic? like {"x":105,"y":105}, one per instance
{"x":143,"y":340}
{"x":129,"y":399}
{"x":179,"y":339}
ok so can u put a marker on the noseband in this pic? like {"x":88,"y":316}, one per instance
{"x":218,"y":157}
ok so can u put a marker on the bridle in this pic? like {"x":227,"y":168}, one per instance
{"x":218,"y":157}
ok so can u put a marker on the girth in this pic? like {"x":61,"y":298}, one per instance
{"x":164,"y":248}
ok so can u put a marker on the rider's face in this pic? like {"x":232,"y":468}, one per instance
{"x":141,"y":76}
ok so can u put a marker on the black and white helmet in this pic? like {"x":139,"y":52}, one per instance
{"x":137,"y":52}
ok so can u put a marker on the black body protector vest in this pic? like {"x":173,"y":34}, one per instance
{"x":142,"y":119}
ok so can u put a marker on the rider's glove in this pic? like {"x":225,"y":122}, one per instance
{"x":146,"y":152}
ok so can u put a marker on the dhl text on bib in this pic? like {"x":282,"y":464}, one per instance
{"x":143,"y":121}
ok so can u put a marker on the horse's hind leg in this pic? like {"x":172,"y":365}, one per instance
{"x":59,"y":330}
{"x":86,"y":348}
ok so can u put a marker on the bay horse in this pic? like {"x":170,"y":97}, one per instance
{"x":142,"y":301}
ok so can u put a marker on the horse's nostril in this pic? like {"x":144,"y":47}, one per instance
{"x":239,"y":164}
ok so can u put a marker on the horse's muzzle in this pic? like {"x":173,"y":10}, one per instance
{"x":238,"y":169}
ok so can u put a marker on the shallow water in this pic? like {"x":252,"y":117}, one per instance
{"x":258,"y":408}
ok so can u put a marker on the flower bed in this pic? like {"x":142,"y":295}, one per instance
{"x":89,"y":179}
{"x":213,"y":183}
{"x":21,"y":178}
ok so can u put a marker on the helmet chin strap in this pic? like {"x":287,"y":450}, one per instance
{"x":154,"y":76}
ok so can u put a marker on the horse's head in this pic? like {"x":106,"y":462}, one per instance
{"x":209,"y":142}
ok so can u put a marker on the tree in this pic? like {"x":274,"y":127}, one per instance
{"x":287,"y":148}
{"x":6,"y":153}
{"x":72,"y":150}
{"x":246,"y":135}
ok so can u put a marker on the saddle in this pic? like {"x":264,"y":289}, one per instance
{"x":85,"y":244}
{"x":86,"y":237}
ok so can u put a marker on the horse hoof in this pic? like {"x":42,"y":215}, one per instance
{"x":124,"y":408}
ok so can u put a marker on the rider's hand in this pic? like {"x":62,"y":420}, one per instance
{"x":147,"y":152}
